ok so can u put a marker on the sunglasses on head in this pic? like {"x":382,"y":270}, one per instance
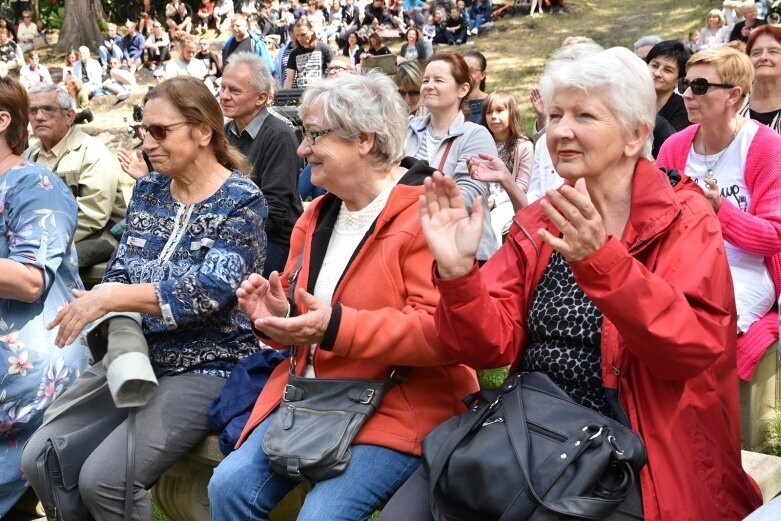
{"x":158,"y":132}
{"x":699,"y":86}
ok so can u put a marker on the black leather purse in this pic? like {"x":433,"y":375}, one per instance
{"x":528,"y":452}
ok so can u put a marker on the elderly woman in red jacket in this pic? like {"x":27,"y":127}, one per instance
{"x":364,"y":306}
{"x":616,"y":286}
{"x":737,"y":162}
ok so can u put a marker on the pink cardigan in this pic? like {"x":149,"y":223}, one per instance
{"x":757,"y":231}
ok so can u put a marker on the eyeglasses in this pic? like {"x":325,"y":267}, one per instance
{"x":411,"y":93}
{"x":333,"y":69}
{"x":158,"y":132}
{"x":311,"y":135}
{"x":699,"y":86}
{"x":47,"y":110}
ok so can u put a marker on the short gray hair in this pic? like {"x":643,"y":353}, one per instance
{"x":259,"y":75}
{"x":618,"y":77}
{"x":354,"y":104}
{"x":63,"y":98}
{"x":650,"y":40}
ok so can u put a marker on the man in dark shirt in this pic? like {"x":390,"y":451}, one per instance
{"x":132,"y":47}
{"x":269,"y":144}
{"x":210,"y":59}
{"x":241,"y":42}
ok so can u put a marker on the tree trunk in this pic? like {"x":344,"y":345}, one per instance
{"x":80,"y":26}
{"x":97,"y":9}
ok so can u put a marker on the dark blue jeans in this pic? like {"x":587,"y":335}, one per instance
{"x":244,"y":487}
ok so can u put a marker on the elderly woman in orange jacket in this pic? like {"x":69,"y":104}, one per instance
{"x":364,"y":305}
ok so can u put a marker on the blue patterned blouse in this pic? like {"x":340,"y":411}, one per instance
{"x":196,"y":256}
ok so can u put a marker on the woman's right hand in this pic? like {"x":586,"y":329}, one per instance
{"x":132,"y":163}
{"x":452,"y":234}
{"x":490,"y":169}
{"x":260,"y":298}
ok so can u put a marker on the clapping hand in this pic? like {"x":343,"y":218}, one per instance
{"x":260,"y":298}
{"x":452,"y":234}
{"x":490,"y":169}
{"x":132,"y":163}
{"x":581,"y":227}
{"x":307,"y":328}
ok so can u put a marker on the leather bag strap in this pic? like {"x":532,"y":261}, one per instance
{"x":443,"y":159}
{"x":578,"y":506}
{"x":131,"y":463}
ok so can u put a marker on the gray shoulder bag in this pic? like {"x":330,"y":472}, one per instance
{"x":311,"y":434}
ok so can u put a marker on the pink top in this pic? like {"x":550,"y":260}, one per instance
{"x":757,"y":231}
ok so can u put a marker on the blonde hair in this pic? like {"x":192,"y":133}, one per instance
{"x":734,"y":67}
{"x":716,"y":12}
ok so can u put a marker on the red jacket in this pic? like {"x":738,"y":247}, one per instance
{"x":757,"y":231}
{"x":382,"y":319}
{"x":668,"y":338}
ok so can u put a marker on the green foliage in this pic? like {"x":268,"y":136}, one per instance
{"x":492,"y":378}
{"x":52,"y":14}
{"x":158,"y":513}
{"x":773,"y":436}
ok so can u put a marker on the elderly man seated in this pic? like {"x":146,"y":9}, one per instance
{"x":84,"y":164}
{"x":89,"y":71}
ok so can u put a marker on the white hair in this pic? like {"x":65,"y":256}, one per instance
{"x":648,"y":41}
{"x":618,"y":77}
{"x":354,"y":104}
{"x":84,"y":50}
{"x":259,"y":75}
{"x":63,"y":97}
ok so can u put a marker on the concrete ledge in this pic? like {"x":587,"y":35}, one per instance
{"x":766,"y":471}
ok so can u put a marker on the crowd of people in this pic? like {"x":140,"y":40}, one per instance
{"x":411,"y":226}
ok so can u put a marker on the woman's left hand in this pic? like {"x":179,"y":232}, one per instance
{"x":75,"y":315}
{"x":713,"y":194}
{"x":573,"y":213}
{"x":308,"y":328}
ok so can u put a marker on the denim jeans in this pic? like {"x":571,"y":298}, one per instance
{"x":244,"y":488}
{"x":103,"y":52}
{"x":475,"y":22}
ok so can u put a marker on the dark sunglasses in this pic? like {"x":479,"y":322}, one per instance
{"x":411,"y":93}
{"x":158,"y":132}
{"x":699,"y":86}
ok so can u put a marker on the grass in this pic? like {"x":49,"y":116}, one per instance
{"x":518,"y":47}
{"x":773,"y":435}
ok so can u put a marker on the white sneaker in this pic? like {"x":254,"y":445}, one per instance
{"x":474,"y":31}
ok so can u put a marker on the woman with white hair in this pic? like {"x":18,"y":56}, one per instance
{"x":616,"y":287}
{"x":362,"y":307}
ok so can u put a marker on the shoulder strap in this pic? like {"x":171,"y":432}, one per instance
{"x":130,"y":464}
{"x":443,"y":159}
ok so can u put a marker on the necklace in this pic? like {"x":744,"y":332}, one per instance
{"x":709,"y":172}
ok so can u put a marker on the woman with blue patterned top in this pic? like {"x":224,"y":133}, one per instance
{"x":38,"y":268}
{"x":194,"y":233}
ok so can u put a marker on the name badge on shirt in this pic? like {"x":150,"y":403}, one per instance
{"x":136,"y":241}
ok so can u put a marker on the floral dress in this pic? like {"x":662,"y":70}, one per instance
{"x":37,"y":223}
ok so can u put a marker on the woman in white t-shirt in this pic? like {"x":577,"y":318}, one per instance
{"x":737,"y":163}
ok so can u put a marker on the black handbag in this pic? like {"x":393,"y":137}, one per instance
{"x":526,"y":451}
{"x":312,"y":433}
